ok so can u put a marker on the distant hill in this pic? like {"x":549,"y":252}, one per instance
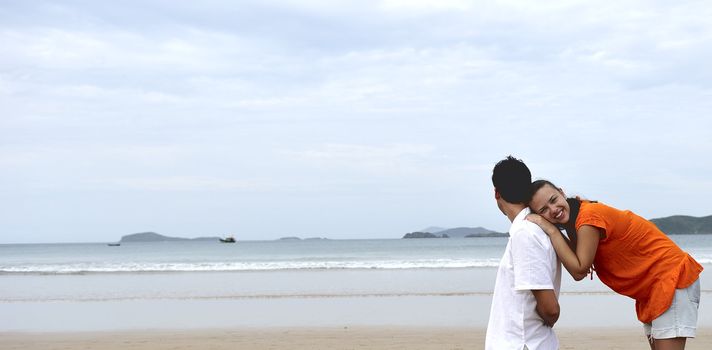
{"x":682,"y":224}
{"x":155,"y":237}
{"x":432,"y":229}
{"x":671,"y":225}
{"x":418,"y":234}
{"x":458,"y":232}
{"x":467,"y":232}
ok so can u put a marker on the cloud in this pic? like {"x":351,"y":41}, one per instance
{"x":425,"y":6}
{"x":344,"y":153}
{"x":182,"y":183}
{"x":306,"y":99}
{"x":62,"y":49}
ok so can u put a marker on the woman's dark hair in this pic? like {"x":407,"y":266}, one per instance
{"x":574,"y":207}
{"x":538,"y":184}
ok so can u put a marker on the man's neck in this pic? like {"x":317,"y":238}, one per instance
{"x":512,"y":210}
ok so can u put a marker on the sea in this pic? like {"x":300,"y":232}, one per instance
{"x":208,"y":256}
{"x":281,"y":283}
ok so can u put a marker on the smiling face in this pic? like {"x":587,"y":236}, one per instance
{"x":550,"y":203}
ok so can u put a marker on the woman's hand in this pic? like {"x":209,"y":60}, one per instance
{"x":548,"y":227}
{"x":535,"y":218}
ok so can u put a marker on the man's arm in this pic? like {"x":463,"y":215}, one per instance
{"x":534,"y":263}
{"x":547,"y":306}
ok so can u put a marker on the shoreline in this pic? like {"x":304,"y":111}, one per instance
{"x":326,"y":338}
{"x":377,"y":298}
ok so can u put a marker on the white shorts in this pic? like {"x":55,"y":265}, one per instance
{"x":680,"y":320}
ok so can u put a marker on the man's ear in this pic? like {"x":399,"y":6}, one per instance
{"x":496,"y":194}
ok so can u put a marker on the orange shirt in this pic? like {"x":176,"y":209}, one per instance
{"x":637,"y":259}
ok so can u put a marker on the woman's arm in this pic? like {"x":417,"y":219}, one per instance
{"x":578,"y":262}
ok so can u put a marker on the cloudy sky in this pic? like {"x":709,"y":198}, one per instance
{"x":342,"y":119}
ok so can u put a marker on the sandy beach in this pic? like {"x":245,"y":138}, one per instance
{"x":386,"y":338}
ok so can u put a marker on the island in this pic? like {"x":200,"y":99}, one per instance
{"x":684,"y":225}
{"x":155,"y":237}
{"x":671,"y":225}
{"x":422,"y":235}
{"x":458,"y":232}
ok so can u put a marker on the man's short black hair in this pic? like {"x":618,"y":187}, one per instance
{"x":512,"y":179}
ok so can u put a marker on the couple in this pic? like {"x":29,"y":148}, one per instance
{"x":628,"y":253}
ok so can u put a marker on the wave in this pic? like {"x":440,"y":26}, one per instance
{"x":282,"y":296}
{"x":84,"y":268}
{"x":176,"y":267}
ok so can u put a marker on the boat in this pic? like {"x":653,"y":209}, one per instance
{"x":228,"y":239}
{"x":114,"y":244}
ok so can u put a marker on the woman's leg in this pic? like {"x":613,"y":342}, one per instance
{"x":671,"y":329}
{"x":668,"y":344}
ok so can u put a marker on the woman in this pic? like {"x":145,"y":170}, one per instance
{"x":630,"y":255}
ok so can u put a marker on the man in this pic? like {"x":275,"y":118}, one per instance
{"x":525,"y":303}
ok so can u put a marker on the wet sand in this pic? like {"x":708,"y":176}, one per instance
{"x":411,"y":309}
{"x":386,"y":338}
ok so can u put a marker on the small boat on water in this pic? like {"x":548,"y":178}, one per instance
{"x":114,"y":244}
{"x":228,"y":239}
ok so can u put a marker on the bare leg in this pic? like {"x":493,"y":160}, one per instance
{"x":668,"y":344}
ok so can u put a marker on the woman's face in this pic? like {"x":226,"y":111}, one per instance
{"x":550,"y":203}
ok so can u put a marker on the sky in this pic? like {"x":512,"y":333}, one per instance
{"x":342,"y":119}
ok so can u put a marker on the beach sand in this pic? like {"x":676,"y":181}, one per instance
{"x":282,"y":311}
{"x":386,"y":338}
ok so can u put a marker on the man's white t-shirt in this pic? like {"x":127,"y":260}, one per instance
{"x":529,"y":263}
